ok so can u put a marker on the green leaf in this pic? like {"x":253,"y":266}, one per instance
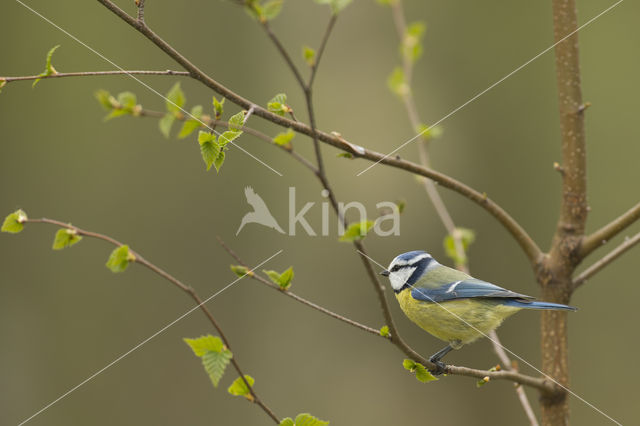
{"x":228,"y":136}
{"x":127,"y":101}
{"x":192,"y":124}
{"x":467,"y":237}
{"x":175,"y":99}
{"x":357,"y":231}
{"x":203,"y":344}
{"x":278,"y":104}
{"x":284,"y":138}
{"x":384,"y":331}
{"x":215,"y":363}
{"x":253,"y":8}
{"x":283,"y":280}
{"x":3,"y":82}
{"x":105,"y":99}
{"x":209,"y":148}
{"x":240,"y":270}
{"x":336,"y":5}
{"x":49,"y":69}
{"x":345,"y":155}
{"x":166,"y":123}
{"x":271,"y":9}
{"x":219,"y":161}
{"x":397,"y":82}
{"x":422,"y":374}
{"x":236,"y":121}
{"x":218,"y":107}
{"x":303,"y":419}
{"x":65,"y":237}
{"x":215,"y":356}
{"x":402,"y":204}
{"x":14,"y":222}
{"x":309,"y":55}
{"x":412,"y":41}
{"x":239,"y":387}
{"x":120,"y":258}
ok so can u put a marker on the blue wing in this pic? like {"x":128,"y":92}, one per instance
{"x":464,"y":289}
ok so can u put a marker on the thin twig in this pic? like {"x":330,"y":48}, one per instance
{"x":607,"y":232}
{"x":323,"y":44}
{"x":184,"y":287}
{"x":93,"y":73}
{"x":283,"y":52}
{"x":529,"y":246}
{"x":607,"y":259}
{"x":296,"y":297}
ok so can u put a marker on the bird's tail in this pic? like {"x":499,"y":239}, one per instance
{"x":527,"y":304}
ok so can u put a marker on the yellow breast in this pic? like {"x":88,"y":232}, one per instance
{"x":456,"y":321}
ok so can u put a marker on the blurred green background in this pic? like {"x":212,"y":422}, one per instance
{"x":63,"y":315}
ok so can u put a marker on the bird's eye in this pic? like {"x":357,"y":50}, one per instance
{"x":395,"y":268}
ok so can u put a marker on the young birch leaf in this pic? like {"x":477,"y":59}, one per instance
{"x":309,"y":55}
{"x":218,"y":107}
{"x":422,"y":374}
{"x":210,"y":152}
{"x":14,"y":222}
{"x":236,"y":121}
{"x":278,"y":104}
{"x":203,"y":344}
{"x":283,"y":280}
{"x":239,"y":388}
{"x":105,"y":99}
{"x":65,"y":237}
{"x":306,"y":419}
{"x":336,"y":5}
{"x":240,"y":270}
{"x":120,"y":258}
{"x":287,"y":422}
{"x":219,"y":161}
{"x":284,"y":139}
{"x":175,"y":99}
{"x":228,"y":136}
{"x":412,"y":41}
{"x":49,"y":69}
{"x":192,"y":124}
{"x":429,"y":132}
{"x":165,"y":124}
{"x":397,"y":82}
{"x":215,"y":363}
{"x":271,"y":9}
{"x":357,"y":231}
{"x":384,"y":331}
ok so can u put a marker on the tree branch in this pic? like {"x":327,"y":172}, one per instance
{"x":92,"y":73}
{"x":514,"y":228}
{"x":187,"y":289}
{"x":607,"y":259}
{"x":607,"y":232}
{"x":323,"y":44}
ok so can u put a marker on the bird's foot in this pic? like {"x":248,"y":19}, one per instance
{"x":440,"y":367}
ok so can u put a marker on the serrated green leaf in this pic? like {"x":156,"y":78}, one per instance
{"x":287,"y":422}
{"x":423,"y":375}
{"x":14,"y":222}
{"x":278,"y":104}
{"x":271,"y":9}
{"x":336,"y":5}
{"x":309,"y":55}
{"x":408,"y":364}
{"x":384,"y":331}
{"x":239,"y":387}
{"x":202,"y":344}
{"x":120,"y":258}
{"x":240,"y":270}
{"x":236,"y":121}
{"x":175,"y":99}
{"x":165,"y":124}
{"x":127,"y":101}
{"x":228,"y":136}
{"x":210,"y":151}
{"x":219,"y":161}
{"x":284,"y":138}
{"x":357,"y":231}
{"x":283,"y":280}
{"x":215,"y":363}
{"x":65,"y":237}
{"x":397,"y":82}
{"x":205,"y":137}
{"x":192,"y":124}
{"x":467,"y":237}
{"x":218,"y":107}
{"x":49,"y":69}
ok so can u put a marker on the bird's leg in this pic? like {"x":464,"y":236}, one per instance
{"x":435,"y":358}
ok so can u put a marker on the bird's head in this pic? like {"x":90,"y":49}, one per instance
{"x":407,"y":268}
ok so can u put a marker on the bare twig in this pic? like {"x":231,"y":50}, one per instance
{"x":607,"y":232}
{"x":93,"y":73}
{"x":184,"y":287}
{"x":607,"y":259}
{"x":323,"y":44}
{"x":530,"y":248}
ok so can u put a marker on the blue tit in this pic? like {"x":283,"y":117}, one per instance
{"x":452,"y":305}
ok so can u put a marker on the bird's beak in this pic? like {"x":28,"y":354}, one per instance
{"x":384,"y":273}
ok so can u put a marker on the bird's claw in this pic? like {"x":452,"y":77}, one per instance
{"x":440,"y":368}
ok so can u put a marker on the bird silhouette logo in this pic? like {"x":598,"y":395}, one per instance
{"x":260,"y":213}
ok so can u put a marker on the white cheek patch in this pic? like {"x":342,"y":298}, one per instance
{"x":399,"y":278}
